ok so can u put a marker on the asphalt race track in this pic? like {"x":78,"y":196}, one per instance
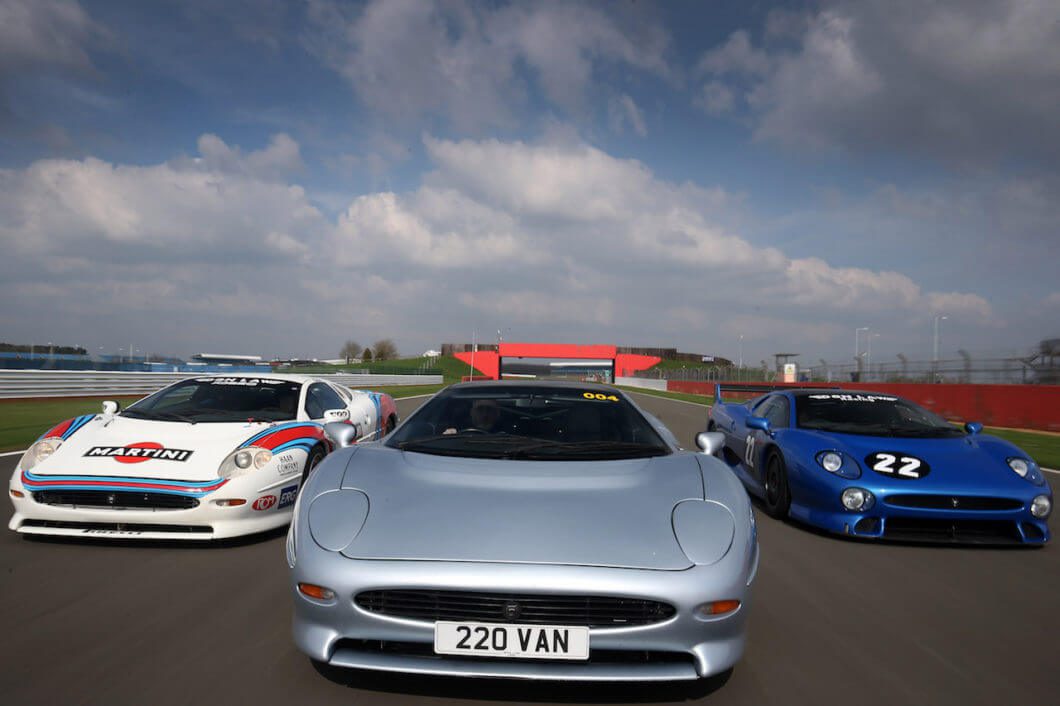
{"x":834,"y":621}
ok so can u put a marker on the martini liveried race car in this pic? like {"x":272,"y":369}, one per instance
{"x":877,"y":466}
{"x":526,"y":530}
{"x":204,"y":458}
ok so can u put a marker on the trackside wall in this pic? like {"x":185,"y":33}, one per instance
{"x":1016,"y":406}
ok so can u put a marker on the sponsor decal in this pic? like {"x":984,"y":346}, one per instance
{"x":265,"y":502}
{"x":287,"y":496}
{"x":113,"y":533}
{"x":854,"y":398}
{"x":139,"y":452}
{"x":288,"y":464}
{"x":246,"y":382}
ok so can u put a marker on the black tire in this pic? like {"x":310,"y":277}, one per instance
{"x":777,"y":493}
{"x":711,"y":426}
{"x":388,"y":427}
{"x":315,"y":457}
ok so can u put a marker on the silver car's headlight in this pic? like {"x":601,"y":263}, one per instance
{"x":243,"y":461}
{"x":1026,"y":469}
{"x":38,"y":452}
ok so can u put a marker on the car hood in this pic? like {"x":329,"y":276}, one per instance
{"x":100,"y":449}
{"x":601,"y":513}
{"x":973,"y":460}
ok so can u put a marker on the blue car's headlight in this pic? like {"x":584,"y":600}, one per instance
{"x":839,"y":464}
{"x":1026,"y":469}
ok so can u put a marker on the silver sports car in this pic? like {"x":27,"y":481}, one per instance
{"x":529,"y":530}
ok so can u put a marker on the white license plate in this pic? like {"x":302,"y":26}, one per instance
{"x":505,"y":640}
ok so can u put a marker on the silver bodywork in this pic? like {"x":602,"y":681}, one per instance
{"x":676,"y":529}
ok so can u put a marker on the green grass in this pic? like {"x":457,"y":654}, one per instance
{"x":22,"y":421}
{"x":1042,"y":447}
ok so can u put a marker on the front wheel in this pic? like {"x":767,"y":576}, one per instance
{"x":777,"y":491}
{"x":315,"y":457}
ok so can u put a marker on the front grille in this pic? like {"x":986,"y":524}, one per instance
{"x":118,"y":500}
{"x":953,"y":502}
{"x":121,"y":526}
{"x":534,"y":609}
{"x":942,"y":530}
{"x":424,"y":649}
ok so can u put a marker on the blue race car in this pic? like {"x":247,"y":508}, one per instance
{"x":877,"y":466}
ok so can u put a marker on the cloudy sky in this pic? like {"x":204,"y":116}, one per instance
{"x":276,"y":177}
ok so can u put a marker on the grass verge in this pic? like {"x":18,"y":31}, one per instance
{"x":1043,"y":448}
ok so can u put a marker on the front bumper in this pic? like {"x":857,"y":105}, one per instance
{"x":945,"y":523}
{"x":207,"y":521}
{"x":685,"y":646}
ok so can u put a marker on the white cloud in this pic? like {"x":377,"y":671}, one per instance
{"x":624,"y":111}
{"x":716,"y":98}
{"x":468,"y":62}
{"x":555,"y":239}
{"x":36,"y":34}
{"x":280,"y":157}
{"x":968,"y":82}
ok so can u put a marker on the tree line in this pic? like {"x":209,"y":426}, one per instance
{"x":383,"y":349}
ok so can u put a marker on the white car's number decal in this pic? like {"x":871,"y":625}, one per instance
{"x":897,"y":465}
{"x":749,"y":451}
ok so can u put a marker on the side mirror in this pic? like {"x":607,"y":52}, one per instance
{"x":110,"y":408}
{"x":341,"y":434}
{"x":710,"y":442}
{"x":973,"y":427}
{"x":759,"y":423}
{"x":336,"y":415}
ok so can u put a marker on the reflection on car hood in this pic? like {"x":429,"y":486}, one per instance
{"x":599,"y":513}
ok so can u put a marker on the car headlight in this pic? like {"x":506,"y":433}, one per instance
{"x":1026,"y":469}
{"x":1041,"y":506}
{"x":835,"y":462}
{"x":38,"y":452}
{"x":243,"y":461}
{"x":857,"y":499}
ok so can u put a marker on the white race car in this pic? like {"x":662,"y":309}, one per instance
{"x":205,"y":458}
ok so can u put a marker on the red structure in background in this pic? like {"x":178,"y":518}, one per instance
{"x":1014,"y":406}
{"x":489,"y":362}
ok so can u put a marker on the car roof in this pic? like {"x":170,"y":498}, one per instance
{"x":283,"y":377}
{"x":542,"y":384}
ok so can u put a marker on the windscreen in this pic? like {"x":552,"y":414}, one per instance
{"x":530,"y":423}
{"x":221,"y":399}
{"x":872,"y":415}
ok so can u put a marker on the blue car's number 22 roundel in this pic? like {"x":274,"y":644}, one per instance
{"x":897,"y":465}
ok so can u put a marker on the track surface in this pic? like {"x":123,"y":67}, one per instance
{"x":833,"y":621}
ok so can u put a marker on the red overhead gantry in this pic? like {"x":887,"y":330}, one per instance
{"x":489,"y":363}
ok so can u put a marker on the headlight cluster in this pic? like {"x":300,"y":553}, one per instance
{"x":857,"y":499}
{"x":1026,"y":469}
{"x":839,"y":464}
{"x":1041,"y":506}
{"x":38,"y":452}
{"x":243,"y":461}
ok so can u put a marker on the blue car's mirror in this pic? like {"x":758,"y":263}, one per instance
{"x":973,"y":427}
{"x":759,"y":423}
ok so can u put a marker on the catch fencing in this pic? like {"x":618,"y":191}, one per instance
{"x":23,"y":384}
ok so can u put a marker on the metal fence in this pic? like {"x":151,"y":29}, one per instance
{"x":1015,"y":370}
{"x":95,"y":383}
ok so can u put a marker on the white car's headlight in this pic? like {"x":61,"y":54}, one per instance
{"x":38,"y":452}
{"x":243,"y":461}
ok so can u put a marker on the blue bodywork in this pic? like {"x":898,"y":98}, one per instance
{"x":969,"y":494}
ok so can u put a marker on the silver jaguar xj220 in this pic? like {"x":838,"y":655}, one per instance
{"x":528,"y":530}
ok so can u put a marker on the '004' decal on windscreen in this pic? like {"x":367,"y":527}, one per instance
{"x":139,"y":452}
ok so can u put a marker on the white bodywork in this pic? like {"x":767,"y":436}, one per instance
{"x":117,"y":476}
